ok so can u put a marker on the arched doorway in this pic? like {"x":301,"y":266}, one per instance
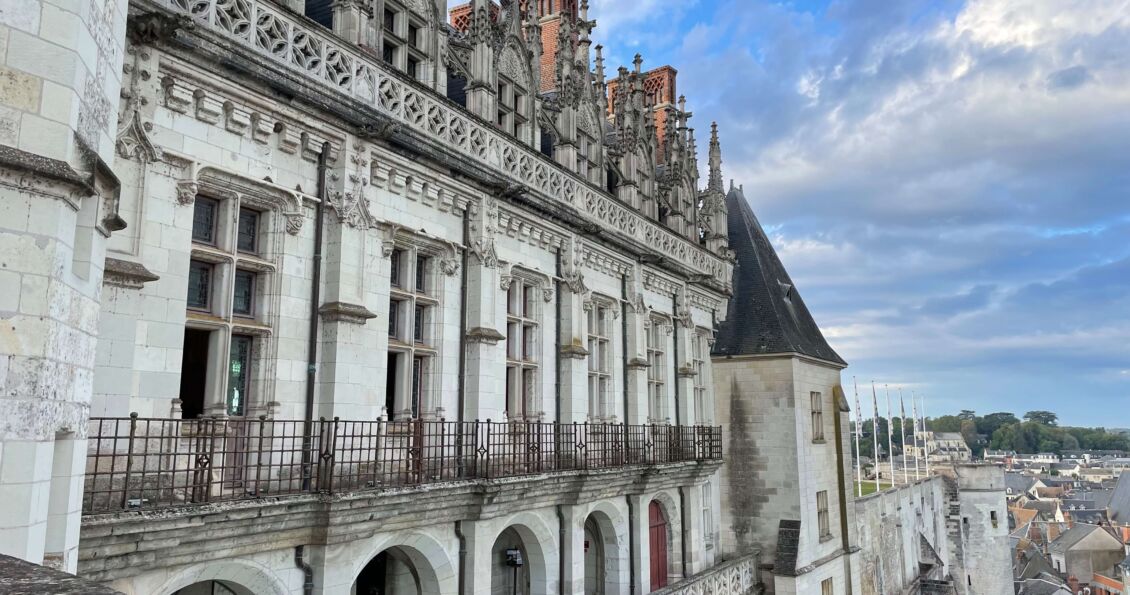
{"x":390,"y":572}
{"x":596,"y":570}
{"x":658,"y":542}
{"x":214,"y":588}
{"x":510,"y":565}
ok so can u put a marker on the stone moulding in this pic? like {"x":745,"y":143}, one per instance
{"x":345,"y":312}
{"x":124,"y":273}
{"x":298,"y":47}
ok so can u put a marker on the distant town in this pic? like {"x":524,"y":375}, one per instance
{"x":1068,"y":498}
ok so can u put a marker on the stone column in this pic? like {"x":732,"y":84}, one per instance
{"x":637,"y":325}
{"x":641,"y":558}
{"x":574,"y":558}
{"x":484,"y":385}
{"x":573,"y":375}
{"x":481,"y":94}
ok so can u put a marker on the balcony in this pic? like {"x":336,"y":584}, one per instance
{"x":138,"y":463}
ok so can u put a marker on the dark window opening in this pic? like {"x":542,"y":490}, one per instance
{"x":194,"y":372}
{"x":199,"y":285}
{"x":611,"y":180}
{"x":390,"y":384}
{"x":414,"y":35}
{"x":204,"y":220}
{"x":388,"y":54}
{"x":546,"y":143}
{"x":390,"y":20}
{"x":413,"y":68}
{"x":457,"y":88}
{"x":321,"y":12}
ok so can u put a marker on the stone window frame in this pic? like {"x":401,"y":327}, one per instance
{"x":816,"y":408}
{"x":398,"y":39}
{"x":600,"y":342}
{"x":700,"y":355}
{"x":512,"y":106}
{"x":516,"y":284}
{"x":656,"y":329}
{"x":412,"y":400}
{"x":586,"y":163}
{"x":708,"y":515}
{"x":823,"y":516}
{"x":226,"y":261}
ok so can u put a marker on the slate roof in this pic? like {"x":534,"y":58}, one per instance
{"x":1019,"y":483}
{"x":18,"y":577}
{"x":1120,"y":500}
{"x":1073,"y":536}
{"x":766,"y":314}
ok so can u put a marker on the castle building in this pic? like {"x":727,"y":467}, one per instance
{"x":343,"y":297}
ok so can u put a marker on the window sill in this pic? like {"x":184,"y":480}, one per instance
{"x":819,"y":441}
{"x":826,"y":538}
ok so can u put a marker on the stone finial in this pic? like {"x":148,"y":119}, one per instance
{"x":715,"y":183}
{"x":638,"y":63}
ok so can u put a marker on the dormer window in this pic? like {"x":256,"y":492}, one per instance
{"x":404,"y":44}
{"x":512,"y":113}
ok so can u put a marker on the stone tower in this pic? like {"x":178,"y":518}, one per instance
{"x":785,"y":420}
{"x":60,"y":75}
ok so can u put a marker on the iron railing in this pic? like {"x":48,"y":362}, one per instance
{"x":142,"y":463}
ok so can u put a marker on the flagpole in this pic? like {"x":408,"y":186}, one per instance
{"x":902,"y":430}
{"x":890,"y":438}
{"x":858,"y":454}
{"x":914,"y":433}
{"x":924,"y":418}
{"x":875,"y":432}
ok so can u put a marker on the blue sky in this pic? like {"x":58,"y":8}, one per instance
{"x":947,"y":181}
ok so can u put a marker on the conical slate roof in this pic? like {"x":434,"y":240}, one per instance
{"x":766,"y":314}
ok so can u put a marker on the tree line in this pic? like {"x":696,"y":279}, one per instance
{"x":1038,"y":431}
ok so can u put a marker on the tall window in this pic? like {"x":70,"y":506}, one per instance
{"x":822,"y":519}
{"x":404,"y":44}
{"x":587,"y":149}
{"x":522,"y":349}
{"x":698,"y":361}
{"x":512,"y":110}
{"x":817,"y":401}
{"x":826,"y":587}
{"x":657,"y":369}
{"x":414,"y":300}
{"x":224,"y":312}
{"x":600,"y":360}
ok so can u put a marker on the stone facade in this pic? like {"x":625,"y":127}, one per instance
{"x":341,"y":297}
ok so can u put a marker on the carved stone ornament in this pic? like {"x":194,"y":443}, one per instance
{"x":294,"y":223}
{"x":575,"y":281}
{"x":450,"y":263}
{"x":388,"y":242}
{"x":638,"y":363}
{"x":486,"y":336}
{"x":574,"y":351}
{"x":187,"y":191}
{"x":484,"y":252}
{"x":547,"y":292}
{"x":506,"y":278}
{"x":124,"y":273}
{"x":637,"y":304}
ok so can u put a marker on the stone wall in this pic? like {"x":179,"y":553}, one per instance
{"x":978,"y":528}
{"x":898,"y":530}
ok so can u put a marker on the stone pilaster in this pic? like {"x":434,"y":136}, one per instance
{"x":574,"y":339}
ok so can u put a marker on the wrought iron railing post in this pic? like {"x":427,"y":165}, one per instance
{"x":259,"y":454}
{"x":486,"y":451}
{"x":129,"y":459}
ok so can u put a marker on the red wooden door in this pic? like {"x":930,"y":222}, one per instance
{"x":658,"y":541}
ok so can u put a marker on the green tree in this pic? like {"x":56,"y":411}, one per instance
{"x":967,"y":414}
{"x":989,"y":424}
{"x":1046,"y":418}
{"x":945,"y":423}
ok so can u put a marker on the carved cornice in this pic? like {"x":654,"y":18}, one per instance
{"x":127,"y":274}
{"x":345,"y":312}
{"x":486,"y":336}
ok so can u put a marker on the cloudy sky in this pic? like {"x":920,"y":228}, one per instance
{"x":948,"y":181}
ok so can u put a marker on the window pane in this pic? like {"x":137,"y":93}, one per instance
{"x":417,"y":385}
{"x":529,"y":343}
{"x":248,"y":237}
{"x":199,"y":285}
{"x":422,"y":263}
{"x":418,"y":326}
{"x":390,"y":19}
{"x":393,"y":317}
{"x":388,"y":53}
{"x":512,"y":339}
{"x":240,"y":369}
{"x":243,"y":299}
{"x":394,"y":261}
{"x":204,"y":220}
{"x":528,"y":303}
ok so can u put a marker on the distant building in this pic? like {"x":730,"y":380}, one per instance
{"x":941,"y":447}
